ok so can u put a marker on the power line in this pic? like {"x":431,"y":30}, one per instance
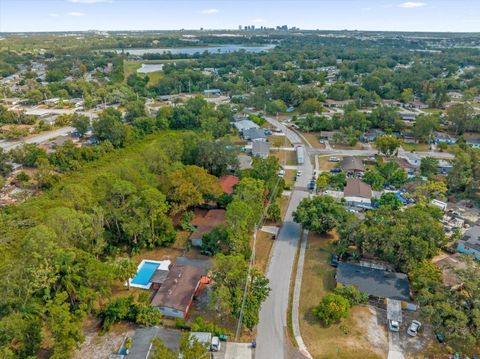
{"x":252,"y":256}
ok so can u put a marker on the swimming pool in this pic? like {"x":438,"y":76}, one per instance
{"x":145,"y":271}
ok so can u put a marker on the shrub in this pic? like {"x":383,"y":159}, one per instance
{"x":331,"y":309}
{"x":352,"y":294}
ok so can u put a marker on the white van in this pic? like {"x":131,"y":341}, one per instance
{"x":215,"y":346}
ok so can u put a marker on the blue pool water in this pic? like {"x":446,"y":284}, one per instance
{"x":144,"y":273}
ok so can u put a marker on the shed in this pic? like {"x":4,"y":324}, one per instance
{"x":261,"y":148}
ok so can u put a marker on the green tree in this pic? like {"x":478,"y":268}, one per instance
{"x":5,"y":166}
{"x":125,"y":268}
{"x":276,"y":106}
{"x":311,"y":105}
{"x":109,"y":127}
{"x":352,"y":294}
{"x":320,"y":214}
{"x":391,"y":200}
{"x":387,"y":144}
{"x":424,"y":127}
{"x":331,"y":309}
{"x":81,"y":124}
{"x":407,"y":95}
{"x":429,"y":166}
{"x":160,"y":350}
{"x":374,"y":179}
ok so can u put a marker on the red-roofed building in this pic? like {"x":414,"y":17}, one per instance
{"x":205,"y":224}
{"x":227,"y":183}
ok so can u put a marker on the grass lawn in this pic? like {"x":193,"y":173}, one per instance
{"x":289,"y":179}
{"x":279,"y":141}
{"x":288,"y":158}
{"x":417,"y":147}
{"x":348,"y":339}
{"x":325,"y":165}
{"x":154,"y":77}
{"x":312,"y":137}
{"x":339,"y":146}
{"x":130,"y":67}
{"x":262,"y":254}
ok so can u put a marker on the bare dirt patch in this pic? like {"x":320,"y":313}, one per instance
{"x":101,"y":346}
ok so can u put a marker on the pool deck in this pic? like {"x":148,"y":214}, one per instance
{"x":163,"y":265}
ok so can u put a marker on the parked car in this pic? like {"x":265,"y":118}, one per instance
{"x":215,"y":346}
{"x":281,"y":173}
{"x":393,"y":325}
{"x":334,"y":159}
{"x":334,"y":260}
{"x":413,"y":328}
{"x":311,"y":185}
{"x":440,"y":337}
{"x":299,"y":173}
{"x":335,"y":170}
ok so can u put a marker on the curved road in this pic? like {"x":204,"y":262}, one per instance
{"x":271,"y":341}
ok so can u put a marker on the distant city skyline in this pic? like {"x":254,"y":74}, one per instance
{"x":370,"y":15}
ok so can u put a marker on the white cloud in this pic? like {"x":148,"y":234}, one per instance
{"x":209,"y":11}
{"x":52,"y":14}
{"x":411,"y":4}
{"x":259,"y":20}
{"x":89,"y":1}
{"x":75,"y":13}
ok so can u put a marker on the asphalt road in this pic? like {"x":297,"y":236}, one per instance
{"x":271,"y":341}
{"x":340,"y":152}
{"x":42,"y":137}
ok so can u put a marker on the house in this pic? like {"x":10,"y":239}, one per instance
{"x":337,"y":104}
{"x":243,"y":125}
{"x":448,"y":265}
{"x":444,"y":166}
{"x":327,"y":135}
{"x":474,"y":143}
{"x":470,"y":242}
{"x":352,"y":165}
{"x":404,"y":164}
{"x":205,"y":224}
{"x":254,"y":134}
{"x":227,"y":183}
{"x":239,"y":117}
{"x":375,"y":282}
{"x":358,"y":193}
{"x":212,"y":92}
{"x":408,"y":115}
{"x":244,"y":161}
{"x":261,"y":148}
{"x":444,"y":138}
{"x":371,"y":135}
{"x":175,"y":296}
{"x":409,"y":137}
{"x":412,"y":158}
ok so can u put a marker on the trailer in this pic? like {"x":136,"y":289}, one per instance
{"x":300,"y":154}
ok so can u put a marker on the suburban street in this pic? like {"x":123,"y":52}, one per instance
{"x":271,"y":341}
{"x":42,"y":137}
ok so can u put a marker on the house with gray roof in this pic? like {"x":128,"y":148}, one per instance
{"x":253,"y":134}
{"x":470,"y":242}
{"x":243,"y":125}
{"x":260,"y":148}
{"x":375,"y":282}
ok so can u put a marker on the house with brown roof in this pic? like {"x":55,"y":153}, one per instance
{"x":227,"y":183}
{"x":358,"y":193}
{"x":205,"y":224}
{"x":175,"y":296}
{"x":352,"y":166}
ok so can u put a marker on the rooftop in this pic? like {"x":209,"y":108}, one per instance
{"x":352,"y":164}
{"x":357,"y":188}
{"x":179,"y":287}
{"x":472,"y":238}
{"x":205,"y":224}
{"x":227,"y":183}
{"x":375,"y":282}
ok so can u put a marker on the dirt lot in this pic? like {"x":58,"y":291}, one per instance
{"x":312,"y":137}
{"x":288,"y":158}
{"x":359,"y":336}
{"x":96,"y":346}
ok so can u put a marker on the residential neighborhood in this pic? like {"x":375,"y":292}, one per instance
{"x":256,"y":191}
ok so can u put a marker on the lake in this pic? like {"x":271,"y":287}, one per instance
{"x":194,"y":50}
{"x":147,"y":68}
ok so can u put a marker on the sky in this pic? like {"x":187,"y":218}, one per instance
{"x":388,"y":15}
